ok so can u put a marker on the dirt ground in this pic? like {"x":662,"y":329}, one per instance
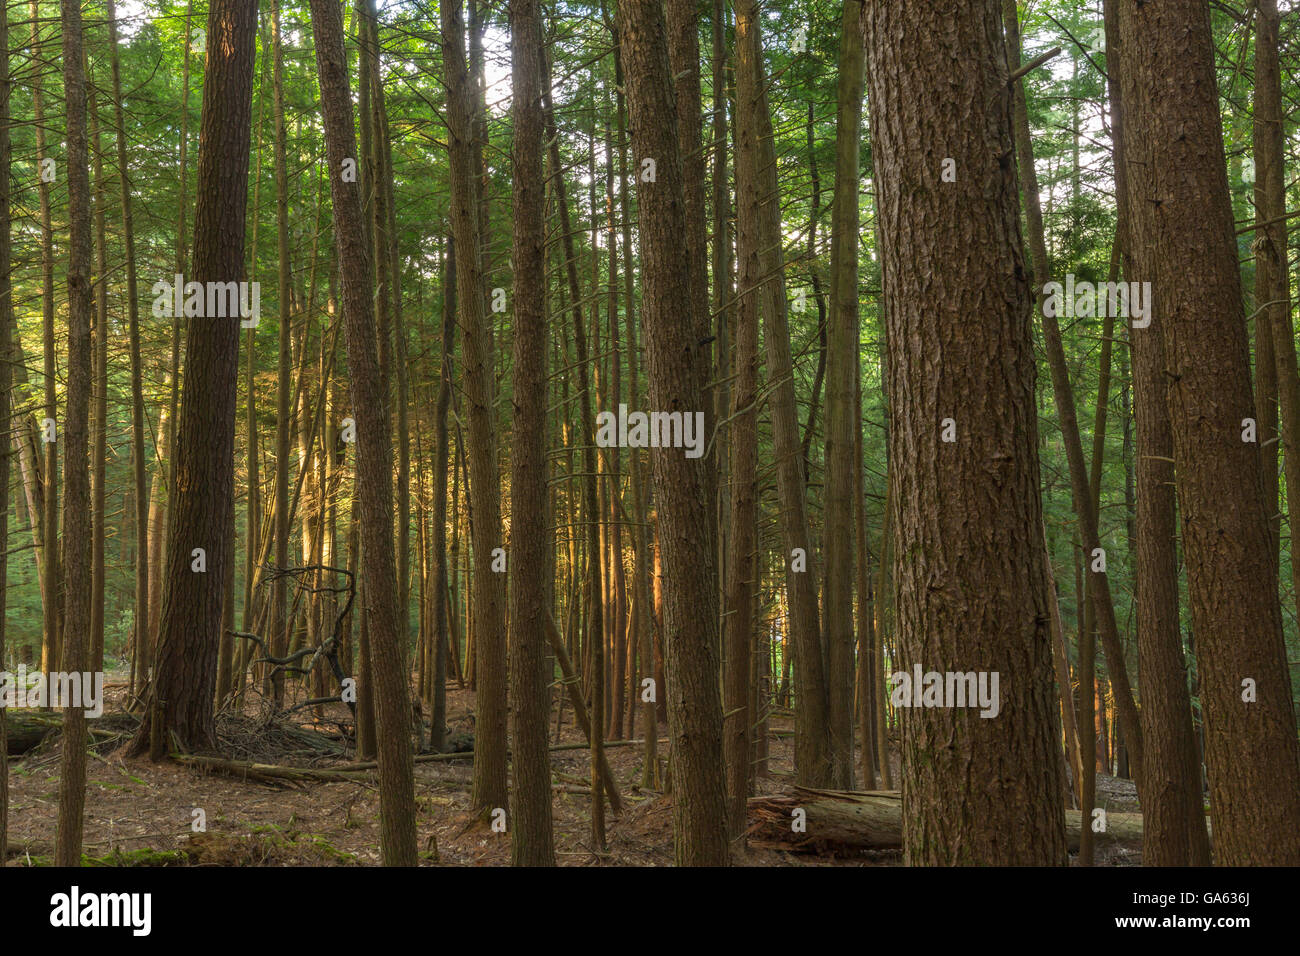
{"x":141,"y":813}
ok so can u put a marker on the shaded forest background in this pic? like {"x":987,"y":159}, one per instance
{"x":294,"y":462}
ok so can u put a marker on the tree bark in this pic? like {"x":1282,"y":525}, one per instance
{"x":531,"y":840}
{"x":489,"y":788}
{"x":684,"y":510}
{"x":756,"y":184}
{"x":841,"y":371}
{"x":374,"y":451}
{"x":1183,"y":243}
{"x":76,"y":461}
{"x":970,"y":588}
{"x":180,"y":699}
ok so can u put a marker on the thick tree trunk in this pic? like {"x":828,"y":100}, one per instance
{"x":684,"y":510}
{"x":76,"y":462}
{"x":970,"y":587}
{"x":531,"y":841}
{"x":682,"y":22}
{"x":374,"y":450}
{"x":1182,"y":230}
{"x":181,"y":695}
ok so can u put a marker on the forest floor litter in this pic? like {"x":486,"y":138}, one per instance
{"x":256,"y":810}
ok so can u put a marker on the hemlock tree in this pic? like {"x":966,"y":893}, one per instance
{"x":76,"y":455}
{"x":756,"y":184}
{"x":374,"y":449}
{"x":1173,"y":815}
{"x":841,"y":418}
{"x":180,"y":699}
{"x":490,"y":789}
{"x":1183,"y":244}
{"x":531,"y":841}
{"x":690,"y":596}
{"x":970,"y":588}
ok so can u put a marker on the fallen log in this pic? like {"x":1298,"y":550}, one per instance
{"x":27,"y":728}
{"x":469,"y":754}
{"x":282,"y":775}
{"x":838,"y":821}
{"x":273,"y":774}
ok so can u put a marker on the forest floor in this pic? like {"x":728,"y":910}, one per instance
{"x":142,"y":813}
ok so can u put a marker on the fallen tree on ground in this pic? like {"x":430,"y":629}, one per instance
{"x":27,"y":728}
{"x":836,"y":821}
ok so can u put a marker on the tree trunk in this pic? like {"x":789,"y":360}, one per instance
{"x":682,"y":23}
{"x":98,"y":403}
{"x":849,"y":822}
{"x":279,"y":637}
{"x":489,"y":789}
{"x":51,"y":583}
{"x":738,"y":621}
{"x":438,"y":730}
{"x":1272,"y":288}
{"x":841,"y":372}
{"x":756,"y":183}
{"x":531,"y":841}
{"x":76,"y":462}
{"x":1182,"y":228}
{"x":970,"y":588}
{"x":189,"y":637}
{"x":684,"y":510}
{"x":374,"y":450}
{"x":1174,"y":832}
{"x":138,"y":448}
